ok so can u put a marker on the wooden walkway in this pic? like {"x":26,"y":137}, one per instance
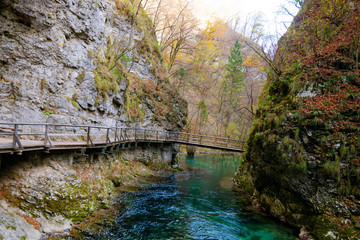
{"x":19,"y":137}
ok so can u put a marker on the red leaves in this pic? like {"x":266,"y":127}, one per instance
{"x":341,"y":104}
{"x":355,"y":162}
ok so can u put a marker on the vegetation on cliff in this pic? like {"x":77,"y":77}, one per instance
{"x":302,"y":159}
{"x":115,"y":66}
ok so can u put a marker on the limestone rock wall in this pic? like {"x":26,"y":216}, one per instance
{"x":57,"y":57}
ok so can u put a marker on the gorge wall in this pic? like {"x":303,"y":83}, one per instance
{"x":302,"y":162}
{"x":84,"y":62}
{"x":78,"y":62}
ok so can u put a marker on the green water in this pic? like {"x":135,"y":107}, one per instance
{"x":198,"y":204}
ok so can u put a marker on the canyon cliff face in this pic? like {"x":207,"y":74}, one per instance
{"x":302,"y":162}
{"x":84,"y":62}
{"x":78,"y":62}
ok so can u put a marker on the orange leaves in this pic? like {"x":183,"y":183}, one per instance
{"x":30,"y":220}
{"x":158,"y":96}
{"x":214,"y":30}
{"x":254,"y":61}
{"x":356,"y":162}
{"x":149,"y":86}
{"x":149,"y":81}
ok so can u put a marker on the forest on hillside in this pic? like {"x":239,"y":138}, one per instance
{"x":212,"y":66}
{"x":219,"y":66}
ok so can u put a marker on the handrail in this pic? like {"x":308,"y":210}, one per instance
{"x":116,"y":135}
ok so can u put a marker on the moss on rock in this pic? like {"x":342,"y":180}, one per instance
{"x":300,"y":163}
{"x":60,"y":192}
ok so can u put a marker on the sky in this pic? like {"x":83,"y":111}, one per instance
{"x":205,"y":9}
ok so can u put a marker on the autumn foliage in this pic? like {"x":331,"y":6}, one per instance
{"x":310,"y":113}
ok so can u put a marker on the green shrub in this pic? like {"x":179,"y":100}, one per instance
{"x":297,"y":132}
{"x":297,"y":116}
{"x":272,"y":138}
{"x":81,"y":76}
{"x":302,"y":166}
{"x":344,"y":190}
{"x":332,"y":168}
{"x":343,"y":150}
{"x":256,"y":136}
{"x":277,"y":122}
{"x":75,"y":97}
{"x":42,"y":84}
{"x":351,"y":77}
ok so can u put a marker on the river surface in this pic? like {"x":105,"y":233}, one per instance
{"x":196,"y":204}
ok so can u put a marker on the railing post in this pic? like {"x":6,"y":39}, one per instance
{"x":46,"y":137}
{"x":157,"y":135}
{"x":135,"y":135}
{"x":107,"y":136}
{"x":125,"y":135}
{"x":88,"y":136}
{"x":200,"y":139}
{"x":116,"y":139}
{"x":15,"y":137}
{"x":89,"y":141}
{"x":144,"y":134}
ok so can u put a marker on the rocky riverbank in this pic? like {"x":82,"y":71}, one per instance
{"x":42,"y":193}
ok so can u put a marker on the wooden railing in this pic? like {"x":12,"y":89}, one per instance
{"x":26,"y":136}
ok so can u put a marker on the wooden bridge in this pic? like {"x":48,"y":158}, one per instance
{"x":20,"y":137}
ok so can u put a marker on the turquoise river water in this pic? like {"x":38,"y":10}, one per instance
{"x":195,"y":204}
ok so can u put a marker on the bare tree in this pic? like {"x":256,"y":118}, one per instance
{"x":250,"y":26}
{"x":121,"y":52}
{"x":174,"y":25}
{"x":267,"y":53}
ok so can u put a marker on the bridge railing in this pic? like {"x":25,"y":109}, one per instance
{"x":205,"y":140}
{"x":49,"y":135}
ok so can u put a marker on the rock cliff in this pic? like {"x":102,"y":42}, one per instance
{"x":84,"y":62}
{"x":302,"y":159}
